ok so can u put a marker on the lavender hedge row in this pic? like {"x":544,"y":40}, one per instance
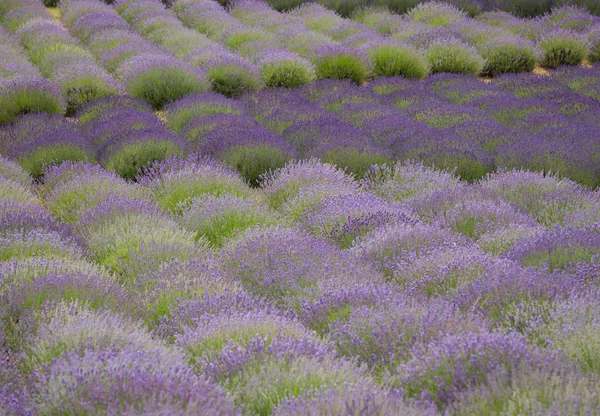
{"x":225,"y":72}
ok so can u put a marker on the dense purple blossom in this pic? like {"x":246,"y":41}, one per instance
{"x":543,"y":153}
{"x":114,"y":122}
{"x":383,"y":336}
{"x":219,"y":140}
{"x":21,"y":216}
{"x":175,"y":181}
{"x":71,"y":188}
{"x":312,"y":137}
{"x":280,"y":262}
{"x":181,"y":112}
{"x":557,"y":249}
{"x":127,"y":381}
{"x":224,"y":344}
{"x":342,"y":218}
{"x":12,"y":171}
{"x":397,"y":245}
{"x":476,"y":218}
{"x":233,"y":300}
{"x":90,"y":24}
{"x":441,"y":370}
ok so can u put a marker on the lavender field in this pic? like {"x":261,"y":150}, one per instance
{"x":291,"y":208}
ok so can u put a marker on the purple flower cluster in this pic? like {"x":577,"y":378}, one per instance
{"x":41,"y":140}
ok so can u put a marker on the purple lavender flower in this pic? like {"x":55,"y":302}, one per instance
{"x":340,"y":62}
{"x":13,"y":396}
{"x":443,"y":149}
{"x":325,"y":132}
{"x":476,"y":218}
{"x":407,"y":180}
{"x":232,"y":301}
{"x":188,"y":109}
{"x":223,"y":345}
{"x":343,"y":218}
{"x":572,"y":327}
{"x":435,"y":13}
{"x":89,"y":24}
{"x":129,"y":381}
{"x":107,"y":105}
{"x":557,"y":249}
{"x":175,"y":181}
{"x":384,"y":335}
{"x":549,"y":155}
{"x":43,"y":32}
{"x":11,"y":170}
{"x":71,"y":188}
{"x":197,"y":129}
{"x":18,"y":216}
{"x":514,"y":298}
{"x":286,"y":188}
{"x":441,"y":370}
{"x":223,"y":218}
{"x":70,"y":327}
{"x":279,"y":262}
{"x":259,"y":389}
{"x":548,"y":198}
{"x":546,"y":389}
{"x":562,"y":47}
{"x":16,"y":17}
{"x":389,"y":248}
{"x":251,"y":152}
{"x":39,"y":243}
{"x":41,"y":140}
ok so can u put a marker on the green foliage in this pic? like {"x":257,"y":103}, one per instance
{"x":563,"y":50}
{"x":560,"y":258}
{"x":354,"y":161}
{"x":287,"y":74}
{"x":127,"y":161}
{"x":528,"y":8}
{"x":344,"y":8}
{"x":398,"y":60}
{"x":36,"y":162}
{"x":232,"y":80}
{"x":252,"y":161}
{"x":179,"y":120}
{"x":435,"y":13}
{"x":284,"y":5}
{"x":507,"y":57}
{"x":160,"y":86}
{"x":81,"y":90}
{"x":402,"y":6}
{"x":454,"y":58}
{"x":28,"y":100}
{"x":342,"y":67}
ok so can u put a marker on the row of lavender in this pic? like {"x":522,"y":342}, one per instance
{"x":545,"y":124}
{"x":188,"y":292}
{"x":521,"y":8}
{"x":159,"y":54}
